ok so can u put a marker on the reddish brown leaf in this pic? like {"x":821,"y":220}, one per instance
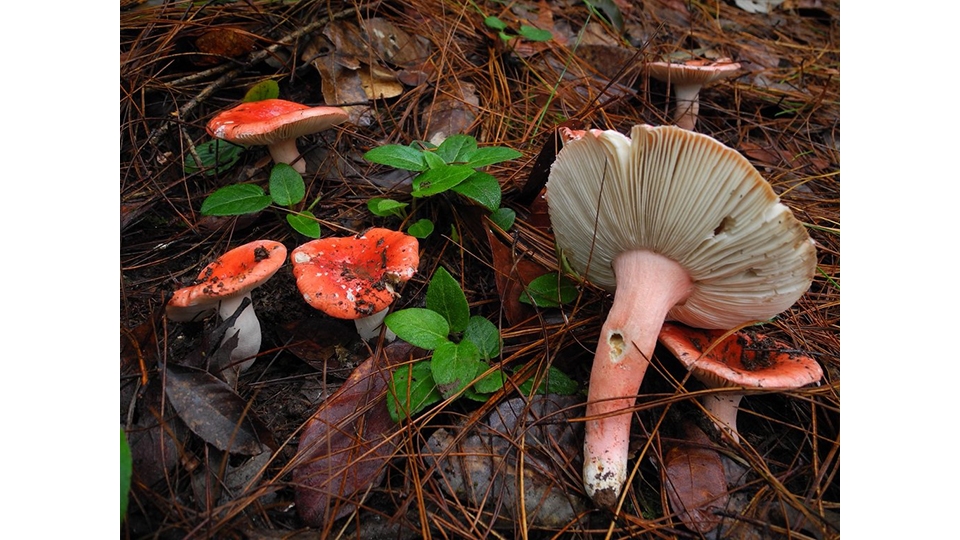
{"x":511,"y":273}
{"x":320,"y":343}
{"x":696,"y":484}
{"x":219,"y":44}
{"x":346,"y":444}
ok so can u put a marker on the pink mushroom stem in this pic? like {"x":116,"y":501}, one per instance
{"x":648,"y":286}
{"x":687,"y":109}
{"x":286,"y":151}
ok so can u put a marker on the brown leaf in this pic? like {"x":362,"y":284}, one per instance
{"x":393,"y":45}
{"x":452,"y":114}
{"x":511,"y":273}
{"x":319,"y":342}
{"x":345,"y":446}
{"x":215,"y":412}
{"x":219,"y":44}
{"x":696,"y":486}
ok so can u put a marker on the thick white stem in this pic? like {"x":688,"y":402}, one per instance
{"x":648,"y":285}
{"x":369,"y":327}
{"x":688,"y":106}
{"x":286,"y":152}
{"x":247,"y":329}
{"x":723,"y":409}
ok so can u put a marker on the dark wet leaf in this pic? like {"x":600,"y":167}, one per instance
{"x":215,"y":412}
{"x":696,"y":486}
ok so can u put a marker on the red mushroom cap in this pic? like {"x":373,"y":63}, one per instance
{"x":271,"y":120}
{"x":741,"y":359}
{"x":234,"y":273}
{"x":354,"y":277}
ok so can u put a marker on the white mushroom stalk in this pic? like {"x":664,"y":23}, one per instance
{"x":679,"y":227}
{"x":247,"y":329}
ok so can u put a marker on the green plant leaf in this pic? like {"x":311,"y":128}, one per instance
{"x":534,"y":34}
{"x":481,"y":187}
{"x":397,"y":156}
{"x":418,"y":326}
{"x":387,"y":207}
{"x":556,"y":382}
{"x":435,"y":181}
{"x":433,"y":161}
{"x":490,"y":383}
{"x":235,"y":200}
{"x":421,"y":228}
{"x":305,"y":223}
{"x":485,"y":335}
{"x":456,"y":148}
{"x":412,"y":389}
{"x":126,"y":471}
{"x":445,"y":297}
{"x":609,"y":10}
{"x":505,"y":36}
{"x":549,"y":290}
{"x":268,"y":89}
{"x":495,"y":23}
{"x":216,"y":156}
{"x":488,"y":155}
{"x":286,"y":185}
{"x":454,"y":366}
{"x":503,"y":217}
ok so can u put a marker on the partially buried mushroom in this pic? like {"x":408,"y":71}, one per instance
{"x":222,"y":286}
{"x":741,"y":359}
{"x":679,"y":227}
{"x":687,"y":79}
{"x":356,"y":277}
{"x":275,"y":123}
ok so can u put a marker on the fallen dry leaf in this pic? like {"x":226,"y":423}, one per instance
{"x":696,"y":485}
{"x":220,"y":44}
{"x":511,"y":272}
{"x":453,"y":112}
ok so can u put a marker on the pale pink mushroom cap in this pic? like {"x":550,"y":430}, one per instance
{"x":687,"y":79}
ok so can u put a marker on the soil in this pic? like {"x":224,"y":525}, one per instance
{"x":183,"y":62}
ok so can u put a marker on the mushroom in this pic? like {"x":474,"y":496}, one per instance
{"x":356,"y":277}
{"x":275,"y":123}
{"x":740,"y":359}
{"x":223,"y":285}
{"x":687,"y":79}
{"x":680,"y":227}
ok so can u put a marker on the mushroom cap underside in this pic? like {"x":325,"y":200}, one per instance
{"x":271,"y":120}
{"x":691,"y":199}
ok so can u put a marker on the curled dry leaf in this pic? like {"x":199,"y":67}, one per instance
{"x":345,"y":446}
{"x":454,"y":112}
{"x":511,"y":272}
{"x":696,"y":483}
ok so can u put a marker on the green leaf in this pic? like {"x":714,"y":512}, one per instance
{"x":549,"y":290}
{"x":454,"y":366}
{"x":397,"y":156}
{"x":503,"y":217}
{"x":412,"y":389}
{"x":495,"y":23}
{"x":216,"y":156}
{"x":456,"y":148}
{"x":505,"y":36}
{"x":610,"y":11}
{"x":126,"y":471}
{"x":421,"y":229}
{"x":534,"y":34}
{"x":305,"y":223}
{"x":445,"y":297}
{"x":235,"y":200}
{"x":488,"y":155}
{"x":286,"y":185}
{"x":481,"y":187}
{"x":433,"y":161}
{"x":491,"y":383}
{"x":268,"y":89}
{"x":556,"y":382}
{"x":485,"y":335}
{"x":387,"y":207}
{"x":418,"y":326}
{"x":439,"y":180}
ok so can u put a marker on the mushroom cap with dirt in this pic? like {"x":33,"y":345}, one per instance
{"x":355,"y":277}
{"x":679,"y":227}
{"x":740,"y":359}
{"x":223,"y":285}
{"x":687,"y":79}
{"x":276,"y":124}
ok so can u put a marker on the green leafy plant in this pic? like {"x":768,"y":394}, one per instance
{"x":126,"y":471}
{"x":462,"y":346}
{"x":526,"y":31}
{"x":549,"y":290}
{"x":286,"y":191}
{"x":451,"y":166}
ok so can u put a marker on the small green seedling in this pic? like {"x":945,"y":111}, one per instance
{"x":549,"y":290}
{"x":452,"y":166}
{"x":526,"y":31}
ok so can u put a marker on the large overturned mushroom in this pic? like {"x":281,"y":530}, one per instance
{"x":679,"y":227}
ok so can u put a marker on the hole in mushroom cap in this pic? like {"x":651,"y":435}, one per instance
{"x":725,"y":224}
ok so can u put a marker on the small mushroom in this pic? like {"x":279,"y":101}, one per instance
{"x":356,"y":277}
{"x":687,"y":79}
{"x":740,"y":359}
{"x":275,"y":123}
{"x":223,"y":285}
{"x":679,"y":227}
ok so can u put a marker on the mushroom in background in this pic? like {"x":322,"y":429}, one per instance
{"x":679,"y":227}
{"x":355,"y":277}
{"x":275,"y":123}
{"x":687,"y":79}
{"x":740,"y":359}
{"x":222,"y":286}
